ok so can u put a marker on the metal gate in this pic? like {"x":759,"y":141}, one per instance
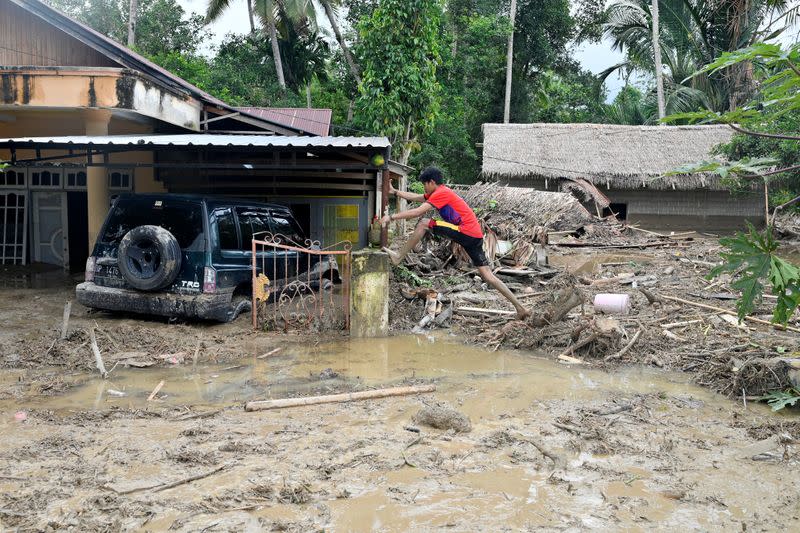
{"x":300,"y":287}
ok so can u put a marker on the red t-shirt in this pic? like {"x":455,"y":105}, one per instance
{"x":454,"y":210}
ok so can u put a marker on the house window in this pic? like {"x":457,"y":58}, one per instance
{"x":76,"y":179}
{"x":119,"y":179}
{"x":12,"y":178}
{"x":46,"y":179}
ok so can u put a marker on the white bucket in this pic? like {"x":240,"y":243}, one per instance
{"x":612,"y":303}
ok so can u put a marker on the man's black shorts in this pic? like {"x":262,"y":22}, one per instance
{"x":472,"y":245}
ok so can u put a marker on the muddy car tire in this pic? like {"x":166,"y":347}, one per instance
{"x":239,"y":304}
{"x":149,"y":258}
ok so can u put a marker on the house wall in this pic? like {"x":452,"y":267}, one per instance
{"x":27,"y":40}
{"x":699,"y":209}
{"x":674,"y":209}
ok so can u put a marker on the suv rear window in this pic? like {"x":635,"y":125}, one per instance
{"x":184,"y":219}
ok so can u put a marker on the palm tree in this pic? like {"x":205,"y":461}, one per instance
{"x":270,"y":13}
{"x":692,"y":34}
{"x":330,"y":12}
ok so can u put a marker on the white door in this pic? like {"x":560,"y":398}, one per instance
{"x":49,"y":214}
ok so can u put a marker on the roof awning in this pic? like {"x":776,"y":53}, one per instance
{"x":204,"y":140}
{"x":249,"y":152}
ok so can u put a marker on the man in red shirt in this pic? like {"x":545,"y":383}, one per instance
{"x":458,"y":223}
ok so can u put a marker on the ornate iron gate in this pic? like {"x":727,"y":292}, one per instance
{"x":300,"y":287}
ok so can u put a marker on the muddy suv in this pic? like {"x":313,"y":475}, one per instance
{"x":187,"y":256}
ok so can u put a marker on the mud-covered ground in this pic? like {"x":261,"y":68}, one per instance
{"x":551,"y":447}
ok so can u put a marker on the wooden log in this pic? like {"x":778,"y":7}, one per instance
{"x":65,"y":321}
{"x":616,"y":246}
{"x":481,"y":311}
{"x":728,"y":311}
{"x":680,"y":324}
{"x":260,"y":405}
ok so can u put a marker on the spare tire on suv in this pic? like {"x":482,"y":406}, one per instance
{"x":149,"y":258}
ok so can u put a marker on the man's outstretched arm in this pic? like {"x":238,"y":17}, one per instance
{"x":406,"y":195}
{"x":408,"y":213}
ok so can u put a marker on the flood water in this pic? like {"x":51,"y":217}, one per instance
{"x":508,"y":380}
{"x":668,"y":463}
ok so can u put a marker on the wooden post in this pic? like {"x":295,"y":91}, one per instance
{"x":384,"y":205}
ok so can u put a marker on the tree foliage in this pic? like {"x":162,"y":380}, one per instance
{"x":399,"y":53}
{"x":162,"y":26}
{"x":692,"y":34}
{"x":752,"y":256}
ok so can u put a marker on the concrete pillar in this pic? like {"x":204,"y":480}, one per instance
{"x":97,"y":196}
{"x":369,"y":296}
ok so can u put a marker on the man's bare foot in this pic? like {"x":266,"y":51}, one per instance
{"x":523,"y":314}
{"x":393,"y":256}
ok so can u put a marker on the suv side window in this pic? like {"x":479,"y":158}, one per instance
{"x":285,"y":225}
{"x":226,"y":230}
{"x":252,"y":221}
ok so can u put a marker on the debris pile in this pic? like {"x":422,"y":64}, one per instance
{"x":674,"y":316}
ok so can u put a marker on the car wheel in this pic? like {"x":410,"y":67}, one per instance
{"x":240,"y":304}
{"x":149,"y":258}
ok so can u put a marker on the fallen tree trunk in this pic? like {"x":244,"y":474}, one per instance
{"x":260,"y":405}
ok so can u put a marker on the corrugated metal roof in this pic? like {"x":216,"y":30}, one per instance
{"x":203,"y":139}
{"x":315,"y":121}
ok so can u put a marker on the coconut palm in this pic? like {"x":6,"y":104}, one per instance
{"x":330,"y":9}
{"x":270,"y":13}
{"x":692,"y":34}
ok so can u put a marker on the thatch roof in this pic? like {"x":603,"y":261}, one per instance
{"x":525,"y":208}
{"x":611,"y":156}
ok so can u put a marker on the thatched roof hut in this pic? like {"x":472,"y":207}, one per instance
{"x":610,"y":156}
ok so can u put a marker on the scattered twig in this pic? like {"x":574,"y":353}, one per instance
{"x":98,"y":359}
{"x":728,"y":311}
{"x":155,"y":391}
{"x":271,"y":352}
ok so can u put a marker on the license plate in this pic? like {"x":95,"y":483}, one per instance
{"x":108,"y":271}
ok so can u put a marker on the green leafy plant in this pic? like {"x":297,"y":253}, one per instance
{"x":752,"y":261}
{"x":3,"y":166}
{"x":781,"y":399}
{"x":402,"y":273}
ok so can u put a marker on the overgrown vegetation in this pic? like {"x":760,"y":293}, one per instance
{"x":752,"y":259}
{"x":403,"y":274}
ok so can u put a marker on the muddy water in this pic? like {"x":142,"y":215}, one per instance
{"x":673,"y":462}
{"x":512,"y":380}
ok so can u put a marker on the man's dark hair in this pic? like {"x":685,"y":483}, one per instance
{"x":431,"y":174}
